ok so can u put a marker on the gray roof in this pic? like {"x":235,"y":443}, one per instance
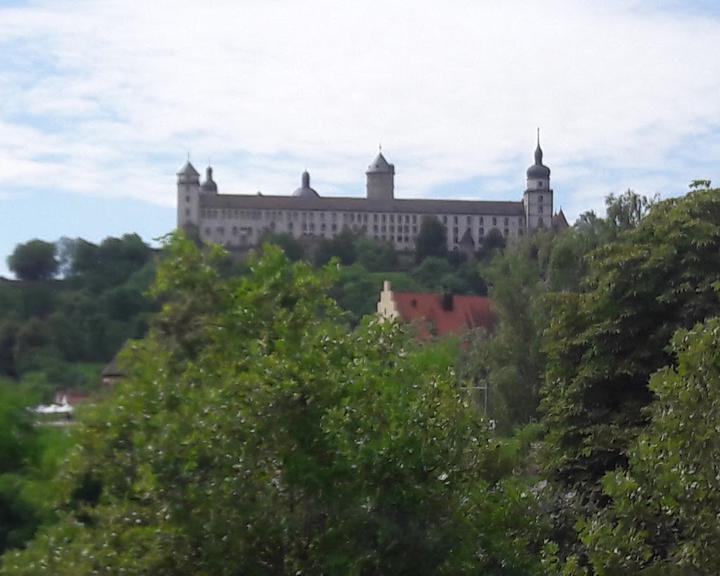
{"x":538,"y":170}
{"x":361,"y":204}
{"x":305,"y":190}
{"x":380,"y":165}
{"x":113,"y":370}
{"x":559,"y":221}
{"x":188,"y":170}
{"x":209,"y":185}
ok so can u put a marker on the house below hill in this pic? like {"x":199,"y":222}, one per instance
{"x":436,"y":314}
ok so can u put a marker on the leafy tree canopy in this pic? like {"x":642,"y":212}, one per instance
{"x":257,"y":435}
{"x":341,"y":247}
{"x":604,"y":343}
{"x":34,"y":260}
{"x":663,"y":513}
{"x":431,"y":239}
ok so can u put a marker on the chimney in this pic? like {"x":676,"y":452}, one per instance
{"x":447,"y":301}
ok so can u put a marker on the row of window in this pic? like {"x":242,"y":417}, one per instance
{"x":346,"y":217}
{"x":399,"y":233}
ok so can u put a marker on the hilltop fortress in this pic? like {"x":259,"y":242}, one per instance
{"x":239,"y":220}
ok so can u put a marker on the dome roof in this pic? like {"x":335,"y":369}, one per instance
{"x":380,"y":165}
{"x":538,"y":170}
{"x":305,"y":191}
{"x":209,"y":185}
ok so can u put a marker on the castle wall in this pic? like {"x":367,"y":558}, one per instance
{"x":245,"y":226}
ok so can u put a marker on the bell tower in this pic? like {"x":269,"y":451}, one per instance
{"x":538,"y":196}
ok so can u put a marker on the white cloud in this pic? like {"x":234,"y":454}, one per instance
{"x":266,"y":88}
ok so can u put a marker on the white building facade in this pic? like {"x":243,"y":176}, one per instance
{"x":240,"y":220}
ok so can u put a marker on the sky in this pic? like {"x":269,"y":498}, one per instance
{"x":102,"y":101}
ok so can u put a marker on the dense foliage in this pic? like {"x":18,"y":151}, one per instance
{"x":29,"y":458}
{"x":663,"y":513}
{"x":59,"y":333}
{"x":269,"y":427}
{"x":604,"y":343}
{"x":34,"y":260}
{"x":257,"y":434}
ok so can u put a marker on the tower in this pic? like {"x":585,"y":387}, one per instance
{"x":538,"y":196}
{"x":209,"y":186}
{"x":188,"y":201}
{"x":380,"y":179}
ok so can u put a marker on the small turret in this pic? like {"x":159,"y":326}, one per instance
{"x":538,"y":197}
{"x":209,"y":185}
{"x":380,"y":179}
{"x":188,"y":192}
{"x":538,"y":175}
{"x":305,"y":191}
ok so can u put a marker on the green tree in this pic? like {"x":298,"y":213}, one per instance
{"x":290,"y":245}
{"x":492,"y":242}
{"x":431,"y":240}
{"x":341,"y":247}
{"x":34,"y":260}
{"x":510,"y":361}
{"x":626,"y":210}
{"x":663,"y":513}
{"x":604,"y":343}
{"x":257,"y":435}
{"x":375,"y":255}
{"x":432,"y":272}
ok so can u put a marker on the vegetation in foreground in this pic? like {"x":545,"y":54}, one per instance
{"x":265,"y":430}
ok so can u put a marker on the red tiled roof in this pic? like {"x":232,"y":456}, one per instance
{"x":467,"y":312}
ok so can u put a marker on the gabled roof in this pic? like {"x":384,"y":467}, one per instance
{"x":434,"y":318}
{"x":559,"y":221}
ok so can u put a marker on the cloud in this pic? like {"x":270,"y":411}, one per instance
{"x":123,"y":90}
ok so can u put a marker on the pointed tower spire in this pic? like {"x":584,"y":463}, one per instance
{"x":538,"y":150}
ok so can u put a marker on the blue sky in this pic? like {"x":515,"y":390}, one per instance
{"x":103,"y":100}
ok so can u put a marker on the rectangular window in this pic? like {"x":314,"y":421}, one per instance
{"x":494,"y":221}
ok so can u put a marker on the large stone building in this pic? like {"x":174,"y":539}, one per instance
{"x":240,"y":220}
